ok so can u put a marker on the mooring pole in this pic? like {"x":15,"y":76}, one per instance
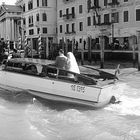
{"x":138,"y":50}
{"x":82,"y":57}
{"x":134,"y":55}
{"x":138,"y":57}
{"x":89,"y":49}
{"x":102,"y":51}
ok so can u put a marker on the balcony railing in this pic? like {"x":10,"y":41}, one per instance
{"x":69,"y":33}
{"x":104,"y":24}
{"x":69,"y":16}
{"x":68,"y":1}
{"x":114,"y":2}
{"x":94,"y":6}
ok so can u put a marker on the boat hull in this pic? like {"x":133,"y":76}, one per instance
{"x":56,"y":90}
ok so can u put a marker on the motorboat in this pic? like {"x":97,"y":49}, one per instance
{"x":42,"y":79}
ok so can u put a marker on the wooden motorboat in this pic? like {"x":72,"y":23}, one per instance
{"x":42,"y":79}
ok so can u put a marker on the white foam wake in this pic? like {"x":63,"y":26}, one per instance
{"x":130,"y":103}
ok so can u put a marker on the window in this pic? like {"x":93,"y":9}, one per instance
{"x":23,"y":7}
{"x":31,"y":32}
{"x":24,"y":21}
{"x":94,"y":20}
{"x":73,"y":27}
{"x":37,"y":3}
{"x":106,"y":18}
{"x":80,"y":40}
{"x":44,"y":30}
{"x":80,"y":9}
{"x":67,"y":28}
{"x":81,"y":26}
{"x":96,"y":3}
{"x":88,"y":21}
{"x":125,"y":0}
{"x":30,"y":21}
{"x":44,"y":3}
{"x":105,"y":2}
{"x":38,"y":30}
{"x":30,"y":5}
{"x":44,"y":17}
{"x":73,"y":12}
{"x":67,"y":11}
{"x":125,"y":16}
{"x":60,"y":13}
{"x":137,"y":14}
{"x":115,"y":17}
{"x":61,"y":29}
{"x":37,"y":17}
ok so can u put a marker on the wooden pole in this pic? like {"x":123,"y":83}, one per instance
{"x":102,"y":52}
{"x":66,"y":45}
{"x":82,"y":57}
{"x":89,"y":49}
{"x":138,"y":50}
{"x":82,"y":53}
{"x":138,"y":57}
{"x":31,"y":41}
{"x":134,"y":56}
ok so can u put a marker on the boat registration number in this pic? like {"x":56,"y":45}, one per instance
{"x":78,"y":88}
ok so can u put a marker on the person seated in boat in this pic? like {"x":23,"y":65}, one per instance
{"x":61,"y":60}
{"x":71,"y":63}
{"x":31,"y":69}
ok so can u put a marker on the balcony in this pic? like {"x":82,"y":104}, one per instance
{"x":68,"y":1}
{"x":31,"y":24}
{"x":105,"y":24}
{"x":70,"y":33}
{"x":69,"y":16}
{"x":94,"y":6}
{"x":114,"y":3}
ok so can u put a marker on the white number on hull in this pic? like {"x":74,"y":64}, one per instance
{"x":78,"y":88}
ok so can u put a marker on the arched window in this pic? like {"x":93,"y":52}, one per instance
{"x":44,"y":17}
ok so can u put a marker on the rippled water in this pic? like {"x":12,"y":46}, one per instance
{"x":23,"y":117}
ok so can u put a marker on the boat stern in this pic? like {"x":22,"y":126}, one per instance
{"x":113,"y":90}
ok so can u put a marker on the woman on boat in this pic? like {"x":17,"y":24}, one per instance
{"x":71,"y":63}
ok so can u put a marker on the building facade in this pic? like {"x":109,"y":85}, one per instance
{"x":9,"y":17}
{"x":81,"y":22}
{"x":93,"y":18}
{"x":39,"y":19}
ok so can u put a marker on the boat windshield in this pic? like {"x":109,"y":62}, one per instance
{"x":48,"y":71}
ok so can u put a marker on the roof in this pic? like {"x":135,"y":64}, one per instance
{"x":12,"y":8}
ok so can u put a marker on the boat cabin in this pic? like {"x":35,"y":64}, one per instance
{"x":46,"y":71}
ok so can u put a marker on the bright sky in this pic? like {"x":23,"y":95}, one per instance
{"x":9,"y":2}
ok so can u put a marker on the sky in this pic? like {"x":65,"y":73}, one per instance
{"x":9,"y":2}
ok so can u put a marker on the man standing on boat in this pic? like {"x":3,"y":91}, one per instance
{"x":61,"y":60}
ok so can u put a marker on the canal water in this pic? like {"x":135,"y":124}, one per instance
{"x":23,"y":117}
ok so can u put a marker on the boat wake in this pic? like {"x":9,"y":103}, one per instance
{"x":16,"y":96}
{"x":129,"y":103}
